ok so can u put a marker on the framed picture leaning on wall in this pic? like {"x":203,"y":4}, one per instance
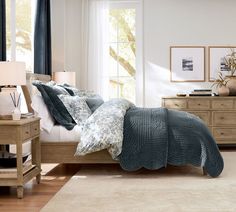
{"x":187,"y":63}
{"x":216,"y":61}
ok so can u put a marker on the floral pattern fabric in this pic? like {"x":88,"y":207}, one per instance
{"x":77,"y":108}
{"x":104,"y":129}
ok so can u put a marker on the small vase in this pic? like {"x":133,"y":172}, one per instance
{"x":231,"y":84}
{"x":223,"y":91}
{"x":16,"y":114}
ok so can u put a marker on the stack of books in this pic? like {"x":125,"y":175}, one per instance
{"x":27,"y":115}
{"x":201,"y":92}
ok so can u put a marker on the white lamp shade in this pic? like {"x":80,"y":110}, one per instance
{"x":64,"y":77}
{"x":12,"y":73}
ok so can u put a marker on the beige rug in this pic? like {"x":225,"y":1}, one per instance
{"x":108,"y":188}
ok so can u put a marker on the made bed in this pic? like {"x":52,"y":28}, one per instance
{"x":117,"y":131}
{"x":61,"y":151}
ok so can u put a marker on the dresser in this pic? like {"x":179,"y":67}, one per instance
{"x":219,"y":114}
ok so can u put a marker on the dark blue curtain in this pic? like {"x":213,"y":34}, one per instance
{"x":2,"y":30}
{"x":42,"y":38}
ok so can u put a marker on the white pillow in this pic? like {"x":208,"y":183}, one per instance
{"x":41,"y":110}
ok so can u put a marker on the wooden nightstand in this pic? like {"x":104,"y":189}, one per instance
{"x":18,"y":132}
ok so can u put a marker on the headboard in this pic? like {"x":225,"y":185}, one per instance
{"x":29,"y":90}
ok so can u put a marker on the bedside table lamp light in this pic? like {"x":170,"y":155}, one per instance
{"x":62,"y":77}
{"x":12,"y":74}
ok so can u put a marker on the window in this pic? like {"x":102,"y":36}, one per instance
{"x":19,"y":30}
{"x":122,"y":50}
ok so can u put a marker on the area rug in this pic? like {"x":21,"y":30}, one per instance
{"x":108,"y":188}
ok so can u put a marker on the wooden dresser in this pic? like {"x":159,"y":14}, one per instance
{"x":219,"y":114}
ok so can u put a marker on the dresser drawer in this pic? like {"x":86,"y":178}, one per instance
{"x":199,"y":104}
{"x":175,"y":103}
{"x":222,"y":104}
{"x":205,"y":116}
{"x":224,"y":133}
{"x":34,"y":129}
{"x":224,"y":118}
{"x":26,"y":132}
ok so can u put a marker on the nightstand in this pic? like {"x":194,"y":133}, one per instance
{"x":19,"y":132}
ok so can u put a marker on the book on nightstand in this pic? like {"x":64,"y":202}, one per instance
{"x":27,"y":115}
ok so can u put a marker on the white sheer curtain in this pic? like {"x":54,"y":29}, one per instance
{"x":95,"y":46}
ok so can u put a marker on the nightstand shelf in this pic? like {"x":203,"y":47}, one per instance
{"x":19,"y":132}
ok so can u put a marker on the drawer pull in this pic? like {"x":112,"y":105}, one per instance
{"x":221,"y":118}
{"x":222,"y":133}
{"x":27,"y":132}
{"x":35,"y":129}
{"x":199,"y":104}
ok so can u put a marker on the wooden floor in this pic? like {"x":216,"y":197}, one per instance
{"x":36,"y":196}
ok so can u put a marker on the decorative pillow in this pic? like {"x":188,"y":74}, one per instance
{"x":78,"y":92}
{"x":55,"y":105}
{"x":77,"y":107}
{"x":94,"y":102}
{"x":41,"y":110}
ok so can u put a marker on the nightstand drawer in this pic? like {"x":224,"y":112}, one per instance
{"x":26,"y":132}
{"x":175,"y":103}
{"x":223,"y":104}
{"x":224,"y":118}
{"x":224,"y":133}
{"x":34,"y":129}
{"x":205,"y":116}
{"x":198,"y":104}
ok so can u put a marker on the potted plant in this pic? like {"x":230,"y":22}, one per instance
{"x":220,"y":84}
{"x":230,"y":62}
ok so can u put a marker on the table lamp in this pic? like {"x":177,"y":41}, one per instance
{"x":11,"y":75}
{"x":62,"y":77}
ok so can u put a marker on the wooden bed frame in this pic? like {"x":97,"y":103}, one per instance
{"x":62,"y":152}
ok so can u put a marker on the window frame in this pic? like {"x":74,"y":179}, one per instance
{"x":139,"y":75}
{"x":13,"y":29}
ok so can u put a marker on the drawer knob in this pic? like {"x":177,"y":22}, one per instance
{"x":198,"y":104}
{"x":35,"y":129}
{"x":222,"y":133}
{"x":222,"y":118}
{"x":26,"y":132}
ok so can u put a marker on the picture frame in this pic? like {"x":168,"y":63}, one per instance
{"x":216,"y":61}
{"x":187,"y":63}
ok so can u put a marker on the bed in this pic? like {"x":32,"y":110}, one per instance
{"x":61,"y":151}
{"x":135,"y":137}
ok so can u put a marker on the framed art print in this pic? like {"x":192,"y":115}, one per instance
{"x":187,"y":63}
{"x":217,"y":62}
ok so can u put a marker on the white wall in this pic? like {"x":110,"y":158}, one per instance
{"x":166,"y":23}
{"x":182,"y":22}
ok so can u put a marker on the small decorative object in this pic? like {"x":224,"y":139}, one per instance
{"x":221,"y":85}
{"x":181,"y":94}
{"x":187,"y":63}
{"x":16,"y":113}
{"x":224,"y":59}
